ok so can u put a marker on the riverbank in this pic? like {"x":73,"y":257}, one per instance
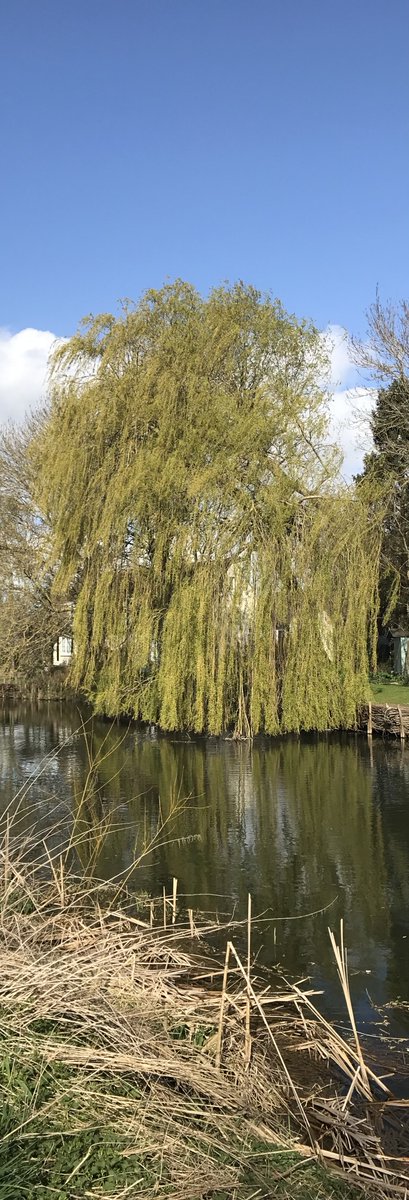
{"x":133,"y":1063}
{"x":389,"y":706}
{"x":53,"y":687}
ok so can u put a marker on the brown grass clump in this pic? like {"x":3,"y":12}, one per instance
{"x":209,"y":1082}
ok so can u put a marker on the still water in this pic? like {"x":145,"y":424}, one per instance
{"x":304,"y":825}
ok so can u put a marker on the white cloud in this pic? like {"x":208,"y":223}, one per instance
{"x":349,"y":413}
{"x":351,"y":403}
{"x":342,"y":368}
{"x":23,"y":370}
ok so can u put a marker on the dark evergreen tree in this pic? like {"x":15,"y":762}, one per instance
{"x":388,"y":465}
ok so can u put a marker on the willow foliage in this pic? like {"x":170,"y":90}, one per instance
{"x":184,"y":467}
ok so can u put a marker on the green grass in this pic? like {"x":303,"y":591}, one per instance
{"x":56,"y":1140}
{"x":390,"y":692}
{"x":97,"y":1162}
{"x":38,"y":1162}
{"x":58,"y":1143}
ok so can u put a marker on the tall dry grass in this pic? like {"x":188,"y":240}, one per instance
{"x":134,"y":1064}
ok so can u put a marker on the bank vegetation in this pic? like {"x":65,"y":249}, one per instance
{"x":134,"y":1063}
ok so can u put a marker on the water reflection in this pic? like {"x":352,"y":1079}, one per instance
{"x":305,"y":825}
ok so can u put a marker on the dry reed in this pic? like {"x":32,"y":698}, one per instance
{"x":192,"y":1066}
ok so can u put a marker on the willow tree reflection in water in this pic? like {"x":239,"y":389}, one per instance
{"x":304,"y":825}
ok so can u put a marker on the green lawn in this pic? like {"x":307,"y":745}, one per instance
{"x":390,"y":693}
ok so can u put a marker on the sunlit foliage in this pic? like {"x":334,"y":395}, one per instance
{"x":223,"y":583}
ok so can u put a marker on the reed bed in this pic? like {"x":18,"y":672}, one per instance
{"x":134,"y":1064}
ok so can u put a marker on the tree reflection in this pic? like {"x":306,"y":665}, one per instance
{"x":305,"y":825}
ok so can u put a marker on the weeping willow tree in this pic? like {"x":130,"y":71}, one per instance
{"x":222,"y":583}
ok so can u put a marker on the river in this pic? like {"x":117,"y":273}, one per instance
{"x":316,"y":829}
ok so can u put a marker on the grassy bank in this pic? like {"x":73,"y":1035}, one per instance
{"x":132,"y":1064}
{"x":389,"y":689}
{"x":390,"y":693}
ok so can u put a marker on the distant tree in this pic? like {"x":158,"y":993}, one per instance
{"x":186,"y":474}
{"x":384,"y":353}
{"x":32,"y":615}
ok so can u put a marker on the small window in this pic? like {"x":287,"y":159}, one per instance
{"x":66,"y":647}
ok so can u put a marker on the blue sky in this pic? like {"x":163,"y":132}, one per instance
{"x":208,"y":139}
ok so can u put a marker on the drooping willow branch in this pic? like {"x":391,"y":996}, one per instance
{"x":175,"y":466}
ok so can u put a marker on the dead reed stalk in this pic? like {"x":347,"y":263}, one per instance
{"x":190,"y":1063}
